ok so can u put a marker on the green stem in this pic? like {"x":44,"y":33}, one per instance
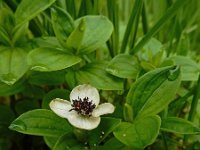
{"x":164,"y":140}
{"x":168,"y":15}
{"x":113,"y":13}
{"x":144,"y":20}
{"x":194,"y":101}
{"x":131,"y":21}
{"x":132,"y":41}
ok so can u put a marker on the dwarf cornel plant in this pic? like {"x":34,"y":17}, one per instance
{"x":99,"y":75}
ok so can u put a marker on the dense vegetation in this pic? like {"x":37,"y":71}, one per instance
{"x":143,"y":56}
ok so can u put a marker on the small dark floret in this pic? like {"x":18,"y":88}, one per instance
{"x":83,"y":107}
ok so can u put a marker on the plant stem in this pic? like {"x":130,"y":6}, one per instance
{"x":131,"y":21}
{"x":113,"y":13}
{"x":164,"y":140}
{"x":194,"y":101}
{"x":144,"y":20}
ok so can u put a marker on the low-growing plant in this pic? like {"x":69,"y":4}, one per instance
{"x":99,"y":75}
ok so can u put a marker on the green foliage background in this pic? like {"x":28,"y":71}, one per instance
{"x":142,"y":55}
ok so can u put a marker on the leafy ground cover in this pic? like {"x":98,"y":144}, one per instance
{"x":99,"y":74}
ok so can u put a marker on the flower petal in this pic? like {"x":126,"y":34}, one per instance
{"x":83,"y":91}
{"x":105,"y":108}
{"x":61,"y":107}
{"x":82,"y":122}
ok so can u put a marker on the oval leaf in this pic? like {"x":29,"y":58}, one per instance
{"x":135,"y":135}
{"x":63,"y":24}
{"x":91,"y":32}
{"x":179,"y":125}
{"x":51,"y":59}
{"x":13,"y":64}
{"x":189,"y":68}
{"x":151,"y":93}
{"x":6,"y":90}
{"x":40,"y":122}
{"x":95,"y":74}
{"x":106,"y":127}
{"x":124,"y":66}
{"x":28,"y":9}
{"x":68,"y":142}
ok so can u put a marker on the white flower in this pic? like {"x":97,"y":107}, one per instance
{"x":83,"y":111}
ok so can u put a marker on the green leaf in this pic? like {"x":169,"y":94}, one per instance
{"x":51,"y":59}
{"x":45,"y":42}
{"x":128,"y":113}
{"x":19,"y":32}
{"x":28,"y":9}
{"x":40,"y":122}
{"x":13,"y":64}
{"x":106,"y":127}
{"x":63,"y":24}
{"x":150,"y":49}
{"x":124,"y":66}
{"x":50,"y":141}
{"x":6,"y":90}
{"x":7,"y":20}
{"x":47,"y":78}
{"x":68,"y":142}
{"x":94,"y":73}
{"x":179,"y":125}
{"x":56,"y":93}
{"x":90,"y":33}
{"x":152,"y":92}
{"x":189,"y":68}
{"x":5,"y":40}
{"x":116,"y":145}
{"x":140,"y":134}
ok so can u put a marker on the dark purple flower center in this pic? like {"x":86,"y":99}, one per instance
{"x":83,"y":107}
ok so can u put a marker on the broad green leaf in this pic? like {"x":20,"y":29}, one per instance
{"x":115,"y":144}
{"x":28,"y":9}
{"x":6,"y":90}
{"x":139,"y":134}
{"x":189,"y":68}
{"x":7,"y":20}
{"x":50,"y":141}
{"x":5,"y":40}
{"x":179,"y":125}
{"x":68,"y":142}
{"x":55,"y":93}
{"x":19,"y":32}
{"x":63,"y":24}
{"x":150,"y":49}
{"x":44,"y":42}
{"x":90,"y":33}
{"x":51,"y":59}
{"x":47,"y":78}
{"x":13,"y":64}
{"x":124,"y":66}
{"x":106,"y":127}
{"x":40,"y":122}
{"x":95,"y":74}
{"x":152,"y":92}
{"x":128,"y":113}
